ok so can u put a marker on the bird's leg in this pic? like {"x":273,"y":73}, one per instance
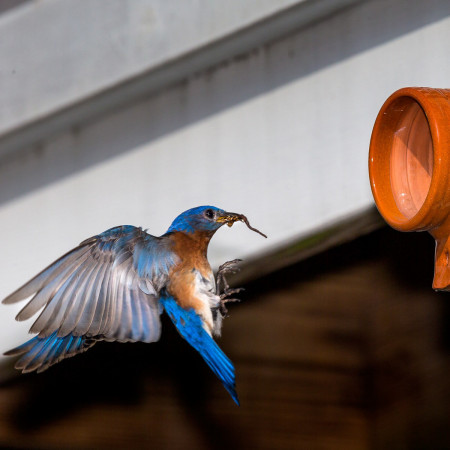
{"x":223,"y":289}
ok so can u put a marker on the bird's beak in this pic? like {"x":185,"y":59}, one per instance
{"x":229,"y":218}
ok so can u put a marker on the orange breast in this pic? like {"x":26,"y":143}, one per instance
{"x":192,"y":250}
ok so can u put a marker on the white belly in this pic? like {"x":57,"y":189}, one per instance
{"x":205,"y":291}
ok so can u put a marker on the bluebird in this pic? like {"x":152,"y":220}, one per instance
{"x":114,"y":286}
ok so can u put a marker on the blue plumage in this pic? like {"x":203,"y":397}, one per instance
{"x":40,"y":353}
{"x":112,"y":287}
{"x":190,"y":326}
{"x":197,"y":219}
{"x":153,"y":257}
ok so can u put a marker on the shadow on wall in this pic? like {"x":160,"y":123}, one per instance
{"x":6,"y":5}
{"x":236,"y":81}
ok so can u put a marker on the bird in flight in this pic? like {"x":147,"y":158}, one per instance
{"x":114,"y":286}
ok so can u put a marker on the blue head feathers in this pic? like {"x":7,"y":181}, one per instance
{"x":207,"y":218}
{"x":202,"y":218}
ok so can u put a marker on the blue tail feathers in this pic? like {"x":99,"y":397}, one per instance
{"x":41,"y":353}
{"x":190,"y":326}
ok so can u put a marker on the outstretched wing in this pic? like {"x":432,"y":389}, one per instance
{"x":190,"y":326}
{"x":106,"y":288}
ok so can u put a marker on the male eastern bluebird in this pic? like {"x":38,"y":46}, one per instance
{"x":114,"y":286}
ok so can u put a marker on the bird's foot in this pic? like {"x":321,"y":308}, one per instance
{"x":230,"y":267}
{"x":223,"y":289}
{"x":224,"y":299}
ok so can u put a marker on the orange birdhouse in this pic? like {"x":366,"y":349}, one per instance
{"x":409,"y":168}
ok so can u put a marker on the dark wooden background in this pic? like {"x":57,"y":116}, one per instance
{"x":349,"y":349}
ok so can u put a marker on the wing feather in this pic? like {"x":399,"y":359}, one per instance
{"x":85,"y":314}
{"x":50,"y":314}
{"x":136,"y":327}
{"x":65,"y":304}
{"x":41,"y":297}
{"x":86,"y":310}
{"x":99,"y":304}
{"x":45,"y":323}
{"x":146,"y":319}
{"x":124,"y":326}
{"x":107,"y":288}
{"x":126,"y":330}
{"x":79,"y":300}
{"x":118,"y":279}
{"x":46,"y":276}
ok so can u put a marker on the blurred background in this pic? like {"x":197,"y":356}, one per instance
{"x":132,"y":111}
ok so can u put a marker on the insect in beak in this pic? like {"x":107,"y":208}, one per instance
{"x":229,"y":218}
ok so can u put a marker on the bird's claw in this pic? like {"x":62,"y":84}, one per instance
{"x":223,"y":296}
{"x":222,"y":308}
{"x":229,"y":267}
{"x":223,"y":289}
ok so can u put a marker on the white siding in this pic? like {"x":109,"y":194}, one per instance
{"x":280,"y":134}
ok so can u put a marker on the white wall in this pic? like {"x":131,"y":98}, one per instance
{"x":280,"y":134}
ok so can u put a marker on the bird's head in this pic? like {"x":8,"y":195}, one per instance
{"x":206,"y":219}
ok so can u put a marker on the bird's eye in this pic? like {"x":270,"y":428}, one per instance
{"x":209,"y":214}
